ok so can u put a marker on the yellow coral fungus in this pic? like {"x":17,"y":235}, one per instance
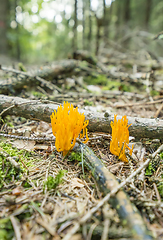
{"x":67,"y":124}
{"x":120,"y":138}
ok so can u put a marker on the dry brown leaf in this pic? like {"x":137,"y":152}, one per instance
{"x":41,"y":147}
{"x":81,"y":205}
{"x":77,"y":183}
{"x":27,"y":145}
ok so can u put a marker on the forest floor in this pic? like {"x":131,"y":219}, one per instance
{"x":42,"y":195}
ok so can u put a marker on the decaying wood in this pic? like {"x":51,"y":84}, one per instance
{"x":98,"y":122}
{"x":44,"y":73}
{"x":113,"y":193}
{"x":114,"y":233}
{"x":67,"y":67}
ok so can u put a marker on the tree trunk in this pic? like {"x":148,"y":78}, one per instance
{"x":83,"y":23}
{"x":74,"y":43}
{"x":126,"y":19}
{"x":17,"y":34}
{"x":117,"y":5}
{"x":148,"y":13}
{"x":127,"y":11}
{"x":3,"y":26}
{"x":90,"y":28}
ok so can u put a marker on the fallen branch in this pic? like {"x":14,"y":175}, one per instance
{"x":113,"y":193}
{"x":41,"y":76}
{"x":98,"y":122}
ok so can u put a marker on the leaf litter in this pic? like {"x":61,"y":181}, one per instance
{"x":29,"y":209}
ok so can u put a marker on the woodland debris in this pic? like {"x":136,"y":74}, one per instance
{"x":116,"y":197}
{"x":41,"y":110}
{"x":42,"y":75}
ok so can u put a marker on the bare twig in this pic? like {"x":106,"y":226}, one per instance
{"x":16,"y":227}
{"x":137,"y":104}
{"x":105,"y":199}
{"x":158,"y":111}
{"x":28,"y":138}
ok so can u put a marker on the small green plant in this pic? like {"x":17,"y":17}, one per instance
{"x":38,"y":94}
{"x":6,"y":229}
{"x":74,"y":156}
{"x":154,"y":93}
{"x":97,"y":80}
{"x":6,"y":120}
{"x":149,"y":170}
{"x":160,"y":189}
{"x":9,"y":172}
{"x":88,"y":103}
{"x":22,"y":67}
{"x":52,"y":182}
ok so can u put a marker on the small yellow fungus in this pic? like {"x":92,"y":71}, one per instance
{"x":67,"y":124}
{"x":120,"y":138}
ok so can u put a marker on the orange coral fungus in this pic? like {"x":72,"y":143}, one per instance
{"x":67,"y":124}
{"x":120,"y":138}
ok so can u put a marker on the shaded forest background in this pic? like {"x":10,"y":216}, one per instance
{"x":37,"y":31}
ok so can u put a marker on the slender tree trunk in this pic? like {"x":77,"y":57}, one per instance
{"x":118,"y":15}
{"x":98,"y":35}
{"x":18,"y":51}
{"x":3,"y":26}
{"x":126,"y":19}
{"x":107,"y":13}
{"x":127,"y":11}
{"x":83,"y":23}
{"x":148,"y":12}
{"x":90,"y":28}
{"x":74,"y":43}
{"x":106,"y":23}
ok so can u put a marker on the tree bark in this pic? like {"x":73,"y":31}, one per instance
{"x":89,"y":45}
{"x":148,"y":12}
{"x":120,"y":201}
{"x":83,"y":23}
{"x":98,"y":122}
{"x":3,"y":26}
{"x":47,"y":72}
{"x":74,"y":43}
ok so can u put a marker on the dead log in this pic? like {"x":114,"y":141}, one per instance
{"x":98,"y":122}
{"x":120,"y":201}
{"x":22,"y":79}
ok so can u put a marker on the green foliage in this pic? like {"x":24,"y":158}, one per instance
{"x":154,"y":93}
{"x":149,"y":170}
{"x":74,"y":156}
{"x":7,"y":121}
{"x":160,"y":189}
{"x":8,"y":172}
{"x":22,"y":67}
{"x":38,"y":94}
{"x":96,"y":80}
{"x":52,"y":182}
{"x":6,"y":229}
{"x":87,"y":102}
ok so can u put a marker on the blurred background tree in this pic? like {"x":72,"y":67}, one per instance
{"x":45,"y":30}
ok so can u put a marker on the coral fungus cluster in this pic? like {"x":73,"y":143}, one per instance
{"x":120,"y":138}
{"x":67,"y":124}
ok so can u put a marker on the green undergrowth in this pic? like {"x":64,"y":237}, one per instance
{"x":152,"y":168}
{"x":6,"y":120}
{"x":96,"y":80}
{"x":52,"y":182}
{"x":75,"y":156}
{"x":8,"y":172}
{"x":38,"y":95}
{"x":6,"y":229}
